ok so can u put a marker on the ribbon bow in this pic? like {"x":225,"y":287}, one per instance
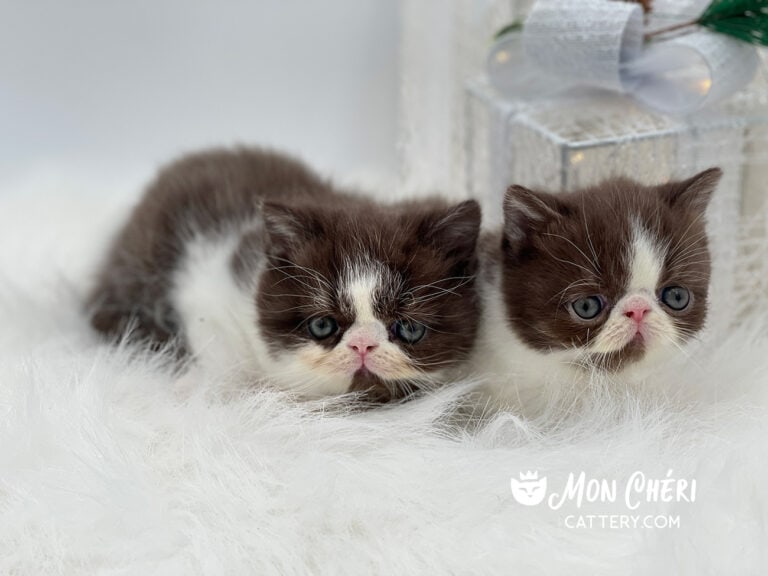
{"x":603,"y":43}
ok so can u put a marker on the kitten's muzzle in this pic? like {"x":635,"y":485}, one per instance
{"x":363,"y":341}
{"x":636,"y":307}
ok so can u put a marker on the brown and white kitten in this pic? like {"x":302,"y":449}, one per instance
{"x":246,"y":260}
{"x":608,"y":279}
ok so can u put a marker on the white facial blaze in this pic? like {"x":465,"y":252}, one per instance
{"x":646,"y":263}
{"x":363,"y":285}
{"x":361,"y":290}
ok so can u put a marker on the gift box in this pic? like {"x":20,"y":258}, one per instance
{"x":582,"y":137}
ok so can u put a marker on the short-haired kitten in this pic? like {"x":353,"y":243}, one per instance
{"x":608,"y":279}
{"x":247,"y":261}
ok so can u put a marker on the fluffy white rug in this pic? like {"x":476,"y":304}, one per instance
{"x":108,"y":467}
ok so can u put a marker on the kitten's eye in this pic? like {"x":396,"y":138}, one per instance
{"x":409,"y":331}
{"x":676,"y":297}
{"x":587,"y":308}
{"x":323,"y":327}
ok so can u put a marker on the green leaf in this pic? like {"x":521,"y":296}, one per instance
{"x":746,"y":20}
{"x":513,"y":27}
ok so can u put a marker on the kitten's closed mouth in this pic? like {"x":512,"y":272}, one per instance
{"x":632,"y":351}
{"x":635,"y":346}
{"x":363,"y":377}
{"x":374,"y":387}
{"x":637,"y":340}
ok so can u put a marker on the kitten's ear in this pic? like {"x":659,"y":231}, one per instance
{"x":693,"y":193}
{"x":288,"y":228}
{"x":454,"y":230}
{"x":525,"y":210}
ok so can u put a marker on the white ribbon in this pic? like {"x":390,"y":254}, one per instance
{"x":586,"y":39}
{"x":600,"y":43}
{"x":689,"y":72}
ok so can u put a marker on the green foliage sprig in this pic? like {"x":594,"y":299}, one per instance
{"x":746,"y":20}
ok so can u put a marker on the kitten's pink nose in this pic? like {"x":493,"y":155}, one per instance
{"x":363,"y":344}
{"x":636,"y":307}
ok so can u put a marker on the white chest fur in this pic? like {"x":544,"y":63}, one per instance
{"x":517,"y":375}
{"x":218,"y":314}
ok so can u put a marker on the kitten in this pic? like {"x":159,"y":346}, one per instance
{"x":246,"y":260}
{"x":605,"y":280}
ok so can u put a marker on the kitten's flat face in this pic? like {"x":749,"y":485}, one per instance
{"x":369,"y":298}
{"x":614,"y":273}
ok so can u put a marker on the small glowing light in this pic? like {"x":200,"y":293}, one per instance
{"x":577,"y":157}
{"x":705,"y":85}
{"x":502,"y":56}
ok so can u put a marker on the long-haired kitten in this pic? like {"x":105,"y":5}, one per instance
{"x":606,"y":280}
{"x":247,"y":261}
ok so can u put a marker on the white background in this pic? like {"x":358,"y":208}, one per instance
{"x":95,"y":95}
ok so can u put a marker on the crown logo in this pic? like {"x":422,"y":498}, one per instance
{"x":529,"y":475}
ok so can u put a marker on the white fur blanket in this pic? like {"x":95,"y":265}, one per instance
{"x":106,"y":467}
